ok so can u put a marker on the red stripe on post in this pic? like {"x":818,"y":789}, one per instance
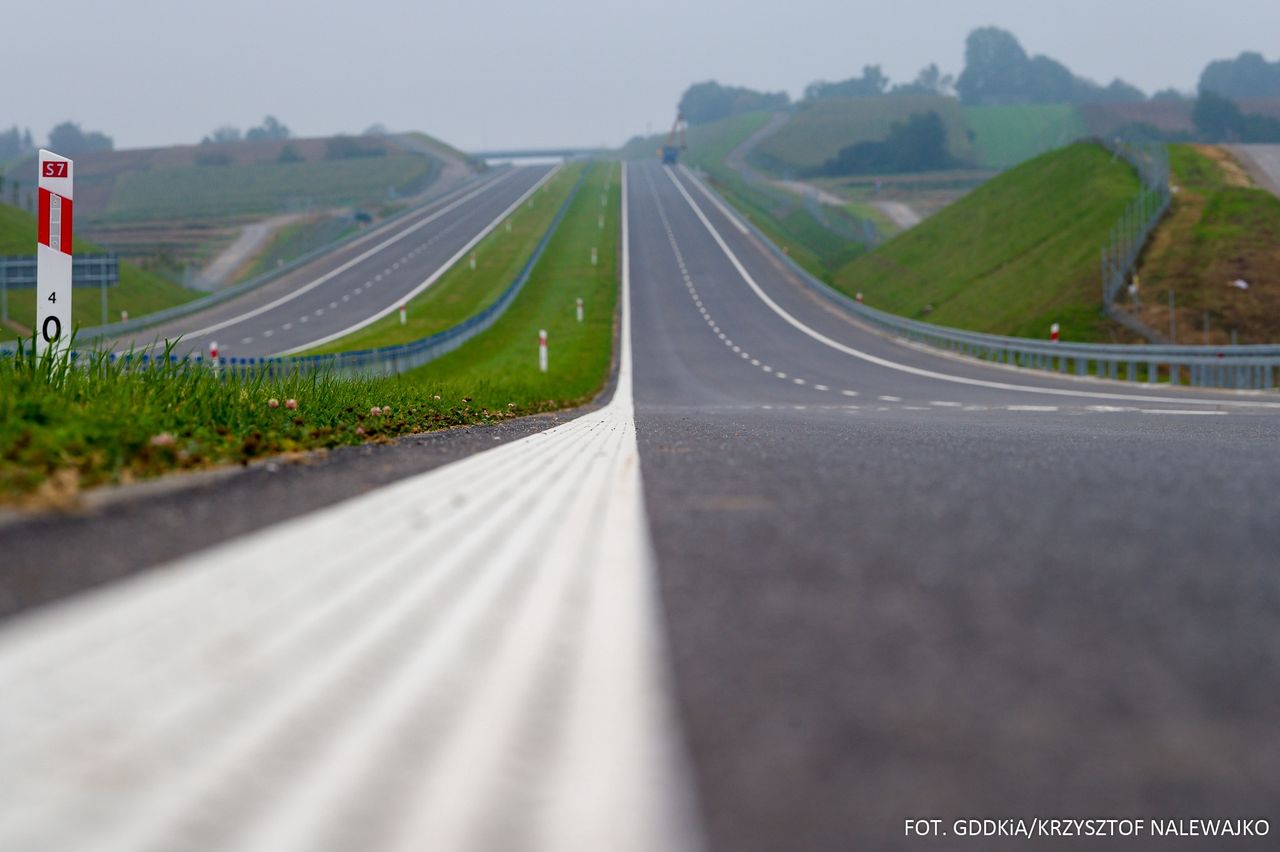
{"x":66,"y":226}
{"x":42,"y":229}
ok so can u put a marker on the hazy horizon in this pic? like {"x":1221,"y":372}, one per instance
{"x":573,"y":73}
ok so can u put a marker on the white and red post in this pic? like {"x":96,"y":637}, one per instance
{"x":1054,"y":333}
{"x":579,"y":310}
{"x":542,"y":350}
{"x":53,"y":253}
{"x":404,"y":314}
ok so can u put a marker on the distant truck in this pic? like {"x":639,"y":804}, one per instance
{"x":676,"y":142}
{"x":670,"y":154}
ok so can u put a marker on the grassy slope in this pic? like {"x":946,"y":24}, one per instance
{"x":460,"y":292}
{"x":820,"y":129}
{"x":138,"y":291}
{"x":1015,"y":255}
{"x":1008,"y":135}
{"x":1217,"y":231}
{"x":200,"y":192}
{"x":579,"y":353}
{"x":65,"y":429}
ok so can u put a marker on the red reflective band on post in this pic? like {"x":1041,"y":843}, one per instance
{"x":64,"y":228}
{"x":43,"y":228}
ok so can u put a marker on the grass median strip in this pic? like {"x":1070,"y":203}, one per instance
{"x":463,"y":292}
{"x":63,"y":428}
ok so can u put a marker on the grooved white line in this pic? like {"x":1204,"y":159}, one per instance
{"x":365,"y":255}
{"x":433,"y":277}
{"x":905,"y":368}
{"x":466,"y":659}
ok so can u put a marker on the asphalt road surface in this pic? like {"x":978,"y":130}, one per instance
{"x":793,"y":584}
{"x":361,"y":282}
{"x":891,"y":595}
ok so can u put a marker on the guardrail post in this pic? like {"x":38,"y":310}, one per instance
{"x":1153,"y":372}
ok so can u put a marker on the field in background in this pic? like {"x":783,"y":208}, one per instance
{"x":1012,"y":257}
{"x":1005,"y":136}
{"x":819,"y":129}
{"x":138,"y":291}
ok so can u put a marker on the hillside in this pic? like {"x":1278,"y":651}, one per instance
{"x":1012,"y":257}
{"x":1221,"y":229}
{"x":1005,"y":136}
{"x":819,"y":129}
{"x":138,"y":292}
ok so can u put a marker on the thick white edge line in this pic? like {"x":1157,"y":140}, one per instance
{"x":434,"y":277}
{"x":917,"y":371}
{"x":350,"y":263}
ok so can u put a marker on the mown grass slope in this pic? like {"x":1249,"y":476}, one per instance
{"x":819,"y":129}
{"x":1219,"y":230}
{"x":138,"y":291}
{"x":1015,"y":255}
{"x":1005,"y":136}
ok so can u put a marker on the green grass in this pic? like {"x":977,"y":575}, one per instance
{"x":461,"y":293}
{"x":1012,"y":257}
{"x":213,"y":192}
{"x":1005,"y":136}
{"x":295,"y":240}
{"x":819,"y":129}
{"x":579,"y":353}
{"x":138,"y":291}
{"x":1215,"y":233}
{"x":62,"y":429}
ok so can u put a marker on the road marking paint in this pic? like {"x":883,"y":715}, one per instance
{"x":286,"y":326}
{"x":755,"y":362}
{"x":1109,"y":409}
{"x":434,"y":276}
{"x":1183,"y":413}
{"x":246,"y":340}
{"x":766,"y":368}
{"x":916,"y":408}
{"x":943,"y":404}
{"x":798,"y":381}
{"x":302,"y":318}
{"x":849,"y":392}
{"x":268,"y":333}
{"x":821,"y":388}
{"x":328,"y":276}
{"x":780,"y":374}
{"x":1034,"y":408}
{"x":905,"y":368}
{"x":890,"y":399}
{"x":319,"y":312}
{"x":333,"y":305}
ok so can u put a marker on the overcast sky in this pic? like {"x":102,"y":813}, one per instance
{"x":529,"y":73}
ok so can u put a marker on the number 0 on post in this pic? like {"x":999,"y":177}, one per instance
{"x":53,"y":253}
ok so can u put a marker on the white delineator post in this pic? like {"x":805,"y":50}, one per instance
{"x":473,"y":263}
{"x":1054,"y":332}
{"x":53,"y":252}
{"x":542,"y":350}
{"x":404,"y":314}
{"x":579,"y":310}
{"x":213,"y":355}
{"x":594,"y":256}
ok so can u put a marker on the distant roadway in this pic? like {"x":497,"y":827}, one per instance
{"x":355,"y":285}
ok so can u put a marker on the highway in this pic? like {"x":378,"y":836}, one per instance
{"x":787,"y":585}
{"x":358,"y":284}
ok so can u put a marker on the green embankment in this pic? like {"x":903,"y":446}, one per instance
{"x":1012,"y":257}
{"x":1005,"y":136}
{"x":213,"y":192}
{"x":1219,"y":230}
{"x":462,"y":292}
{"x":64,"y":428}
{"x":138,"y":291}
{"x":819,"y":129}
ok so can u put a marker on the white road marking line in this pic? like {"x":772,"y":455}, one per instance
{"x":780,"y":374}
{"x":943,"y":404}
{"x":302,"y":318}
{"x":1183,"y":413}
{"x":849,"y":392}
{"x":354,"y":261}
{"x":333,"y":305}
{"x":766,"y":368}
{"x":394,"y":703}
{"x":286,"y":326}
{"x":916,"y":408}
{"x":904,"y":368}
{"x":1109,"y":409}
{"x":890,"y":399}
{"x":755,"y":362}
{"x":246,"y":340}
{"x":798,"y":381}
{"x":1034,"y":408}
{"x":433,"y":277}
{"x":268,"y":333}
{"x":319,"y":312}
{"x":821,"y":388}
{"x":346,"y":297}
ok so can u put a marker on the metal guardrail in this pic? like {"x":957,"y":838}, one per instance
{"x":1231,"y":367}
{"x":384,"y":360}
